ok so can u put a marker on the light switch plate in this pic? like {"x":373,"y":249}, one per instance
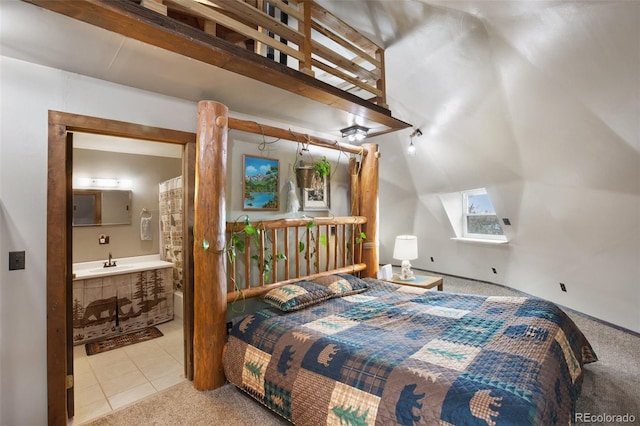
{"x":16,"y":260}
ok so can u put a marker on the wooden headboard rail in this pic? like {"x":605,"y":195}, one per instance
{"x":273,"y":253}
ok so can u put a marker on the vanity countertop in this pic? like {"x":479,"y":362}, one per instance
{"x":124,"y":265}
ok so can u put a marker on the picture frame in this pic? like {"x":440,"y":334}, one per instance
{"x":317,"y":197}
{"x":260,"y":183}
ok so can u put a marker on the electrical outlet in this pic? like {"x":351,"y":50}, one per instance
{"x":563,"y":287}
{"x":103,"y":239}
{"x":506,"y":221}
{"x":16,"y":260}
{"x":494,"y":270}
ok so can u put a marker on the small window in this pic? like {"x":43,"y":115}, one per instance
{"x":479,"y":219}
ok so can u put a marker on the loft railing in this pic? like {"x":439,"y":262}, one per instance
{"x":297,"y":33}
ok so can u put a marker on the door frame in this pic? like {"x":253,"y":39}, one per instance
{"x":60,"y":124}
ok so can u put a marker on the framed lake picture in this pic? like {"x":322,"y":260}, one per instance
{"x":261,"y":183}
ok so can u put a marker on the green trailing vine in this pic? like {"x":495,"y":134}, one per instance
{"x":236,"y":244}
{"x":310,"y":227}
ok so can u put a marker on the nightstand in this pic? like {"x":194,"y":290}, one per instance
{"x":422,"y":281}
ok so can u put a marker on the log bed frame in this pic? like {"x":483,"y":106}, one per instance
{"x":213,"y":289}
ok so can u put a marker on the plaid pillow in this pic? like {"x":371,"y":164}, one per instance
{"x":292,"y":297}
{"x":342,"y":284}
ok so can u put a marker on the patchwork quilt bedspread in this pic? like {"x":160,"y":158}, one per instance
{"x":409,"y":356}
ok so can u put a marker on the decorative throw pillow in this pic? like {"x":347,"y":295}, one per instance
{"x":342,"y":284}
{"x":292,"y":297}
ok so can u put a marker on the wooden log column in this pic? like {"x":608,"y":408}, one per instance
{"x":369,"y":207}
{"x":354,"y":184}
{"x":210,"y":290}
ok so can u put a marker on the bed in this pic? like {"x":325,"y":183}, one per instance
{"x":333,"y":348}
{"x":373,"y":352}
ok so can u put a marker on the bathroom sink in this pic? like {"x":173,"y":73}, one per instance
{"x":126,"y":265}
{"x":112,"y":268}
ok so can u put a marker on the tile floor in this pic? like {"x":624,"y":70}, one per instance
{"x":110,"y":380}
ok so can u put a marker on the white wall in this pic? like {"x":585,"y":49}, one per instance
{"x":285,"y":153}
{"x":540,"y":105}
{"x":28,"y":92}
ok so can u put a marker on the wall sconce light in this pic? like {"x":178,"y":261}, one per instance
{"x":412,"y":148}
{"x":355,"y":133}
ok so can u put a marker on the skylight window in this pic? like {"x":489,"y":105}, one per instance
{"x":479,"y":219}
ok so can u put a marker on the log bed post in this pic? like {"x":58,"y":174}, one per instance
{"x":369,"y":208}
{"x":210,"y":289}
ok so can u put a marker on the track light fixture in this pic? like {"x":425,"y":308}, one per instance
{"x":355,"y":133}
{"x":412,"y":148}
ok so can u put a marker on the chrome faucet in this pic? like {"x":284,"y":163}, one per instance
{"x":110,"y":263}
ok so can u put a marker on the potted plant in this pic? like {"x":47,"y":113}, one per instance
{"x":306,"y":172}
{"x":322,"y":167}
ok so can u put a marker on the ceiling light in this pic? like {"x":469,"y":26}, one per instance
{"x":355,"y":133}
{"x":411,"y":150}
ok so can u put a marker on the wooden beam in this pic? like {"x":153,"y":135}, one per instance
{"x":210,"y":289}
{"x":369,"y":208}
{"x":102,"y":126}
{"x":299,"y":222}
{"x":131,"y":20}
{"x":342,"y":42}
{"x":381,"y":82}
{"x":346,"y":77}
{"x":290,"y":135}
{"x":286,"y":8}
{"x":338,"y":26}
{"x":342,"y":62}
{"x":304,"y":26}
{"x":354,"y":185}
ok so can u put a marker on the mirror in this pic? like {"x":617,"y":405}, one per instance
{"x":94,"y":207}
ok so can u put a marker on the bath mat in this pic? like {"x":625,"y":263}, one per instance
{"x":122,"y":340}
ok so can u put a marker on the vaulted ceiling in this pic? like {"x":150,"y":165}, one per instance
{"x":537,"y":101}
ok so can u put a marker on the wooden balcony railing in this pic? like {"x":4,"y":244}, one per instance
{"x":298,"y":33}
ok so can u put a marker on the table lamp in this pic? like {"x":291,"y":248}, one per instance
{"x":406,"y":249}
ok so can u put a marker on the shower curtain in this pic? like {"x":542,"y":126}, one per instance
{"x":171,"y":227}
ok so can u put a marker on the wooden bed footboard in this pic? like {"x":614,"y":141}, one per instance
{"x":269,"y":254}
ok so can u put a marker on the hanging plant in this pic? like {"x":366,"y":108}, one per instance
{"x":322,"y":167}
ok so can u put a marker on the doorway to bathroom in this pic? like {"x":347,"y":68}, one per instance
{"x":60,"y":353}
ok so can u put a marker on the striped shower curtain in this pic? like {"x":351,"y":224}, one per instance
{"x":171,"y":227}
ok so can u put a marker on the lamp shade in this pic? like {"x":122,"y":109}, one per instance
{"x":406,"y":247}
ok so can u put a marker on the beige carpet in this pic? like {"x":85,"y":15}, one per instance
{"x":611,"y":385}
